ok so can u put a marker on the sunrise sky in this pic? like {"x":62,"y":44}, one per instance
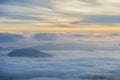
{"x":59,"y":15}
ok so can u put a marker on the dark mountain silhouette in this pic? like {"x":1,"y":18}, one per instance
{"x":28,"y":52}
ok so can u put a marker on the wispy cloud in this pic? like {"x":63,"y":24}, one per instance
{"x":60,"y":13}
{"x":99,"y":20}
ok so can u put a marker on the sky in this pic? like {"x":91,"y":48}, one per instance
{"x":85,"y":24}
{"x":59,"y":16}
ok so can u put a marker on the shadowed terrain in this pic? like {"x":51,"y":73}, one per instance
{"x":28,"y":52}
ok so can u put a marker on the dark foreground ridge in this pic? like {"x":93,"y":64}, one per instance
{"x":28,"y":52}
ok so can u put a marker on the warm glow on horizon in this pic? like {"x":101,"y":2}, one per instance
{"x":60,"y":30}
{"x":60,"y":16}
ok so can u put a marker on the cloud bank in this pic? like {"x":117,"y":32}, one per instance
{"x":58,"y":69}
{"x":46,"y":36}
{"x":56,"y":41}
{"x":8,"y":37}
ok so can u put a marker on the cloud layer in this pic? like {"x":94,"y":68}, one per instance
{"x":57,"y":13}
{"x":46,"y":36}
{"x":59,"y":69}
{"x":62,"y":41}
{"x":8,"y":37}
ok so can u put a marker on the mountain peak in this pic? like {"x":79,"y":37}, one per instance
{"x":28,"y":52}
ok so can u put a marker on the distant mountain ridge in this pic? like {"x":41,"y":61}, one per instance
{"x":28,"y":52}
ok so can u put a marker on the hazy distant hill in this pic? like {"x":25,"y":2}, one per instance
{"x":28,"y":52}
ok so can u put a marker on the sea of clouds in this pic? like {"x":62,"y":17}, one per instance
{"x":69,"y":65}
{"x":77,"y":56}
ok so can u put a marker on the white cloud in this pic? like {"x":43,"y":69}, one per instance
{"x":93,"y":7}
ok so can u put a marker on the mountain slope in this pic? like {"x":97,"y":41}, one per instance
{"x":28,"y":52}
